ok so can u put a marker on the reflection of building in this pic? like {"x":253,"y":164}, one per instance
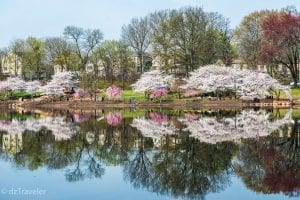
{"x":158,"y":142}
{"x":286,"y":131}
{"x":117,"y":135}
{"x":101,"y":140}
{"x":12,"y":143}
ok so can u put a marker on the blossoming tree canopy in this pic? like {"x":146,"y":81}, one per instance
{"x":80,"y":93}
{"x":33,"y":87}
{"x":152,"y":80}
{"x":114,"y":92}
{"x":191,"y":93}
{"x":247,"y":84}
{"x":15,"y":83}
{"x":3,"y":86}
{"x":59,"y":83}
{"x":158,"y":92}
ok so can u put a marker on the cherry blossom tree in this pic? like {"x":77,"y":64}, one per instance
{"x":191,"y":93}
{"x":247,"y":84}
{"x":59,"y":83}
{"x":158,"y":93}
{"x":80,"y":93}
{"x":33,"y":87}
{"x":3,"y":86}
{"x":113,"y":92}
{"x":15,"y":83}
{"x":152,"y":80}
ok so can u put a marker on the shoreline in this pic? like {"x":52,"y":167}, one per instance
{"x":193,"y":104}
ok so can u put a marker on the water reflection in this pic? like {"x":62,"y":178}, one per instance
{"x":271,"y":165}
{"x":174,"y":153}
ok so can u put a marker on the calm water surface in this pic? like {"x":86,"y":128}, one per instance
{"x":150,"y":154}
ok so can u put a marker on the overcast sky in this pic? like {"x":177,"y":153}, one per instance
{"x":42,"y":18}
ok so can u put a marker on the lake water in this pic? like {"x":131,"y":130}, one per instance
{"x":150,"y":154}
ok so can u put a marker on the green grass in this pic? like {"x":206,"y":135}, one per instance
{"x":134,"y":114}
{"x":282,"y":112}
{"x":130,"y":94}
{"x":295,"y":92}
{"x":16,"y":95}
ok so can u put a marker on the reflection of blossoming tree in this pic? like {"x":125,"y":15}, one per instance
{"x":60,"y":129}
{"x":247,"y":124}
{"x":155,"y":127}
{"x":159,"y":118}
{"x":191,"y":117}
{"x":114,"y":119}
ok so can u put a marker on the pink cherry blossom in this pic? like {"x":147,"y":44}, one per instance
{"x":114,"y":92}
{"x":114,"y":119}
{"x":3,"y":86}
{"x":158,"y":118}
{"x":191,"y":117}
{"x":79,"y":93}
{"x":80,"y":118}
{"x":191,"y":93}
{"x":159,"y":92}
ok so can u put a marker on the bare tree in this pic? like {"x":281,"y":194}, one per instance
{"x":85,"y":41}
{"x":137,"y":35}
{"x":60,"y":52}
{"x":3,"y":54}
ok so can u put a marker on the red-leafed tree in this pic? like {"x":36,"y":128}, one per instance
{"x":281,"y":41}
